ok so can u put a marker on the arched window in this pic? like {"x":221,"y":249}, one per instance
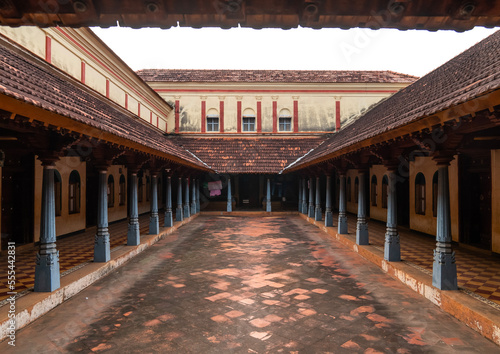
{"x":420,"y":194}
{"x":349,"y":197}
{"x":122,"y":191}
{"x":111,"y":191}
{"x":74,"y":192}
{"x":140,"y":190}
{"x":435,"y":179}
{"x":58,"y":192}
{"x":356,"y":189}
{"x":285,"y":120}
{"x":248,"y":120}
{"x":385,"y":191}
{"x":374,"y":190}
{"x":148,"y":188}
{"x":212,"y":120}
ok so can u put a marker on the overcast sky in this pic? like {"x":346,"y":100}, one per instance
{"x":411,"y":52}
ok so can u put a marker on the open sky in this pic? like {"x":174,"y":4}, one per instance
{"x":410,"y":52}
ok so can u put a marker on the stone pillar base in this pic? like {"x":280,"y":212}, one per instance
{"x":168,"y":221}
{"x":102,"y":252}
{"x":304,"y":208}
{"x":198,"y":207}
{"x":328,"y":219}
{"x":444,"y":271}
{"x":342,"y":228}
{"x":193,"y":208}
{"x":362,"y":237}
{"x":318,"y":214}
{"x":47,"y":276}
{"x":268,"y":206}
{"x":186,"y":211}
{"x":133,"y":235}
{"x":178,"y":214}
{"x":154,"y":225}
{"x":392,"y":248}
{"x":229,"y":206}
{"x":311,"y":211}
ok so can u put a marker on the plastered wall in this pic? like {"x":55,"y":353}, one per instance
{"x":377,"y":212}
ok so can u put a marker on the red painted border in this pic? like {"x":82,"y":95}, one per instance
{"x":295,"y":116}
{"x":337,"y":115}
{"x":221,"y":117}
{"x":203,"y":116}
{"x":139,"y":109}
{"x":275,"y":116}
{"x":107,"y":88}
{"x":278,"y":91}
{"x":238,"y":105}
{"x":259,"y":117}
{"x":108,"y":69}
{"x":126,"y":100}
{"x":48,"y":49}
{"x":82,"y":74}
{"x":177,"y":107}
{"x":151,"y":117}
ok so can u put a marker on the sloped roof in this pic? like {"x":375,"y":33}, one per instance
{"x":28,"y":78}
{"x":248,"y":155}
{"x":471,"y":74}
{"x":274,"y":76}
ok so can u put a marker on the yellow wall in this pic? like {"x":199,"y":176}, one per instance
{"x":32,"y":38}
{"x":118,"y":212}
{"x":377,"y":212}
{"x":352,"y":206}
{"x":495,"y":200}
{"x":427,"y":223}
{"x":66,"y":223}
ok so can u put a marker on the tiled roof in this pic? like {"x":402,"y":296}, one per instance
{"x":248,"y":155}
{"x":275,"y":76}
{"x":471,"y":74}
{"x":28,"y":78}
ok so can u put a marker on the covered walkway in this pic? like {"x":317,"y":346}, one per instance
{"x":236,"y":284}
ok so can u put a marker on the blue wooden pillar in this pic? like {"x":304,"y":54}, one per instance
{"x":186,"y":200}
{"x":102,"y":251}
{"x":193,"y":197}
{"x":317,"y":211}
{"x":133,"y":235}
{"x":178,"y":211}
{"x":300,"y":195}
{"x":154,"y":220}
{"x":362,"y":237}
{"x":304,"y":198}
{"x":169,"y":222}
{"x":198,"y":206}
{"x":268,"y":196}
{"x":47,"y":277}
{"x":392,"y":248}
{"x":342,"y":226}
{"x":444,"y":268}
{"x":328,"y":202}
{"x":311,"y":198}
{"x":229,"y":196}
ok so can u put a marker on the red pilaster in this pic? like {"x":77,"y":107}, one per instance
{"x":157,"y":121}
{"x":337,"y":115}
{"x":48,"y":49}
{"x":126,"y":101}
{"x":203,"y":116}
{"x":238,"y":109}
{"x":259,"y":117}
{"x":177,"y":108}
{"x":151,"y":117}
{"x":221,"y":118}
{"x":275,"y":116}
{"x":107,"y":88}
{"x":139,"y":109}
{"x":82,"y":75}
{"x":295,"y":116}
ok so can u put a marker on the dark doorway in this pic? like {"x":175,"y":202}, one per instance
{"x":92,"y":194}
{"x":249,"y":191}
{"x":403,"y":201}
{"x":475,"y":200}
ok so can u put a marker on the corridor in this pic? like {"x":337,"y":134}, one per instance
{"x":248,"y":285}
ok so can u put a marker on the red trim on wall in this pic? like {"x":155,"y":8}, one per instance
{"x":221,"y":117}
{"x":203,"y":116}
{"x":278,"y":91}
{"x":259,"y":117}
{"x":238,"y":117}
{"x":295,"y":116}
{"x":48,"y":49}
{"x":157,"y":121}
{"x":126,"y":100}
{"x":151,"y":117}
{"x":275,"y":116}
{"x":177,"y":107}
{"x":108,"y":69}
{"x":337,"y":115}
{"x":139,"y":109}
{"x":107,"y":88}
{"x":82,"y":74}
